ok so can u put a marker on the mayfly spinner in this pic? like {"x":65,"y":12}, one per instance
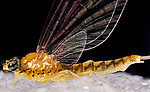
{"x":75,"y":26}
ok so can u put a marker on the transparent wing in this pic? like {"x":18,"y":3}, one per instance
{"x":100,"y":24}
{"x":70,"y":18}
{"x":105,"y":26}
{"x":71,"y":49}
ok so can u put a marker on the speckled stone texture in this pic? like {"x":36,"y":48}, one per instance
{"x":122,"y":82}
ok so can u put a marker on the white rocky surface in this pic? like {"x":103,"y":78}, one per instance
{"x":123,"y":82}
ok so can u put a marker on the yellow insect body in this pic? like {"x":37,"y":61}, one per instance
{"x":41,"y":68}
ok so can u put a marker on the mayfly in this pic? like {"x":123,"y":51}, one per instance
{"x":75,"y":26}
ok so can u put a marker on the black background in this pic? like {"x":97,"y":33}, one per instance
{"x":22,"y":22}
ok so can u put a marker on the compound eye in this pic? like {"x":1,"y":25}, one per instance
{"x":13,"y":65}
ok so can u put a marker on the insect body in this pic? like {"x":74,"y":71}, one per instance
{"x":47,"y":70}
{"x":75,"y":26}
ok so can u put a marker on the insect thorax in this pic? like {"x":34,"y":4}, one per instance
{"x":38,"y":62}
{"x":38,"y":66}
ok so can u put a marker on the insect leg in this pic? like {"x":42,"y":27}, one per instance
{"x":78,"y":77}
{"x":104,"y":80}
{"x":18,"y":76}
{"x":67,"y":75}
{"x":100,"y":77}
